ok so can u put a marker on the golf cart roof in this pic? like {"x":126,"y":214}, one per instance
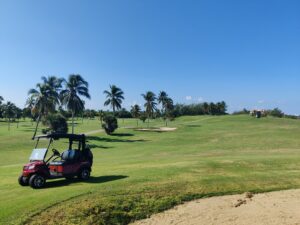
{"x":56,"y":136}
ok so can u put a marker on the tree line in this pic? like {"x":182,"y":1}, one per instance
{"x":55,"y":98}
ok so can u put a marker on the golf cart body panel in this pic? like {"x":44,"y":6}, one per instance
{"x":71,"y":162}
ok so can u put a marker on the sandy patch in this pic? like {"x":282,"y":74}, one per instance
{"x":274,"y":208}
{"x":161,"y":129}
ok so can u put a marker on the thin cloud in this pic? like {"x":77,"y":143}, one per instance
{"x":200,"y":99}
{"x":188,"y":98}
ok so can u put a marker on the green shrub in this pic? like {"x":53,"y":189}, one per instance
{"x":143,"y":117}
{"x":56,"y":123}
{"x":110,"y":124}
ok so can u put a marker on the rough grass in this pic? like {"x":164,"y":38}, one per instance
{"x":137,"y":173}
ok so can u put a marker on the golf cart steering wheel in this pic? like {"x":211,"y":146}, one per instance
{"x":55,"y":152}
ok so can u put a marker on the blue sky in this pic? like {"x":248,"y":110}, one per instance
{"x":244,"y":52}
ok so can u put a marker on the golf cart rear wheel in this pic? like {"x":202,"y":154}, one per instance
{"x":84,"y":174}
{"x":37,"y":181}
{"x":23,"y":181}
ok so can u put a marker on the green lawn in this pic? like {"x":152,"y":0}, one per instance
{"x":136,"y":174}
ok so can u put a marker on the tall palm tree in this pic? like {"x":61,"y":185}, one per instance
{"x":163,"y":99}
{"x":75,"y":87}
{"x":114,"y":97}
{"x":136,"y":112}
{"x":150,"y":104}
{"x":169,"y":106}
{"x":44,"y":99}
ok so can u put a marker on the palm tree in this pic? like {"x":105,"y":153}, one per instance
{"x":136,"y":112}
{"x":150,"y":104}
{"x":30,"y":103}
{"x":9,"y":112}
{"x":1,"y":100}
{"x":162,"y":99}
{"x":101,"y":116}
{"x":114,"y":97}
{"x":44,"y":100}
{"x":169,"y":106}
{"x":75,"y":87}
{"x":53,"y":83}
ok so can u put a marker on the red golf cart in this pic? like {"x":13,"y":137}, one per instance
{"x":75,"y":161}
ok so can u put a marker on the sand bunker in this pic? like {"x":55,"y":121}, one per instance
{"x":161,"y":129}
{"x":274,"y":208}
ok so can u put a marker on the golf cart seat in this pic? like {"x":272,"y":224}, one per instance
{"x":67,"y":156}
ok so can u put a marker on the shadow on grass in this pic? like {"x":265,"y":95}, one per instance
{"x":104,"y":139}
{"x":123,"y":135}
{"x":92,"y":180}
{"x":99,"y":146}
{"x":193,"y":125}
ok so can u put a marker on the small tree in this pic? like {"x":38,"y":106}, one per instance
{"x":110,"y":124}
{"x":57,"y":123}
{"x":143,"y":117}
{"x":277,"y":113}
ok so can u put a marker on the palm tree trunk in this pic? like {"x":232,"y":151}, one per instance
{"x":137,"y":123}
{"x":9,"y":124}
{"x":148,"y":121}
{"x":72,"y":121}
{"x":36,"y":127}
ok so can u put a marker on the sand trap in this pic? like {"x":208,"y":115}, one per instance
{"x":275,"y":208}
{"x":161,"y":129}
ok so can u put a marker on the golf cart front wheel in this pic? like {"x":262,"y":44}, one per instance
{"x":37,"y":181}
{"x":23,"y":181}
{"x":84,"y":174}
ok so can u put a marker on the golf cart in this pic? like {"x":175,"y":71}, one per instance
{"x":72,"y":162}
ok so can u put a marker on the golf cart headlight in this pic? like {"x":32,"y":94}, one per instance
{"x":31,"y":167}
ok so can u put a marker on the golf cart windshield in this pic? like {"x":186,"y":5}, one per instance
{"x":38,"y":154}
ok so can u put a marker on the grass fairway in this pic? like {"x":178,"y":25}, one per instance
{"x":136,"y":173}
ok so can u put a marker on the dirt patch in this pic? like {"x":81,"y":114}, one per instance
{"x":274,"y":208}
{"x":161,"y":129}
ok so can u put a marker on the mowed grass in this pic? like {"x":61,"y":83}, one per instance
{"x":136,"y":174}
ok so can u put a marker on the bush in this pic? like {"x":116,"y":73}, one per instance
{"x":110,"y":124}
{"x":56,"y":123}
{"x":143,"y":117}
{"x":241,"y":112}
{"x":123,"y":113}
{"x":276,"y":113}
